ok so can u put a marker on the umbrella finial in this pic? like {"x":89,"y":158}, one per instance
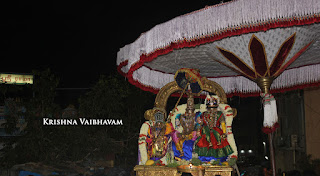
{"x":264,"y":83}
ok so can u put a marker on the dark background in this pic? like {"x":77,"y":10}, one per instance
{"x":78,"y":40}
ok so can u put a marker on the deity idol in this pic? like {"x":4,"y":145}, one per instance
{"x":154,"y":138}
{"x":184,"y":140}
{"x":158,"y":138}
{"x":212,"y":138}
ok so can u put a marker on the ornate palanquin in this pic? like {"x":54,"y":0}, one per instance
{"x":158,"y":113}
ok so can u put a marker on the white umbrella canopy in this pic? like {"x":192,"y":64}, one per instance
{"x":232,"y":44}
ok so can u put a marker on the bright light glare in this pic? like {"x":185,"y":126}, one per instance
{"x":242,"y":151}
{"x":250,"y":151}
{"x":266,"y":157}
{"x":264,"y":143}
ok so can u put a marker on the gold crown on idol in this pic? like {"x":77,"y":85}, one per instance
{"x":159,"y":116}
{"x":190,"y":104}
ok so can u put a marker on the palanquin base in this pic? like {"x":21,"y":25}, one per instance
{"x":163,"y":170}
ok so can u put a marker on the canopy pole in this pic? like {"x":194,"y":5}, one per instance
{"x":272,"y":157}
{"x":265,"y":83}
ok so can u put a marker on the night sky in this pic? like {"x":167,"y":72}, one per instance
{"x":78,"y":40}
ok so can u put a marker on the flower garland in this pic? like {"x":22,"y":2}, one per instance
{"x":143,"y":154}
{"x":228,"y":113}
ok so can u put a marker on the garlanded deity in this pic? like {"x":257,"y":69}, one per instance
{"x":212,"y":138}
{"x":158,"y":136}
{"x":154,"y":137}
{"x":187,"y":122}
{"x":189,"y":134}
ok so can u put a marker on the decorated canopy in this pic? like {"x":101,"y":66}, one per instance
{"x":233,"y":44}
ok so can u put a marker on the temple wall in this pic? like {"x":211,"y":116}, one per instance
{"x":290,"y":106}
{"x":312,"y":121}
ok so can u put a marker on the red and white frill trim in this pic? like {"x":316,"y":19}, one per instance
{"x":213,"y":24}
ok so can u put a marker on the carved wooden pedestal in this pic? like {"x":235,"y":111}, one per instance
{"x":218,"y":170}
{"x":172,"y":171}
{"x":155,"y":171}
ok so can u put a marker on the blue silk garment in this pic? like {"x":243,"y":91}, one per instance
{"x":187,"y":149}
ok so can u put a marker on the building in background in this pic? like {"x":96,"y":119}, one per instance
{"x":312,"y":121}
{"x":13,"y":89}
{"x":290,"y":138}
